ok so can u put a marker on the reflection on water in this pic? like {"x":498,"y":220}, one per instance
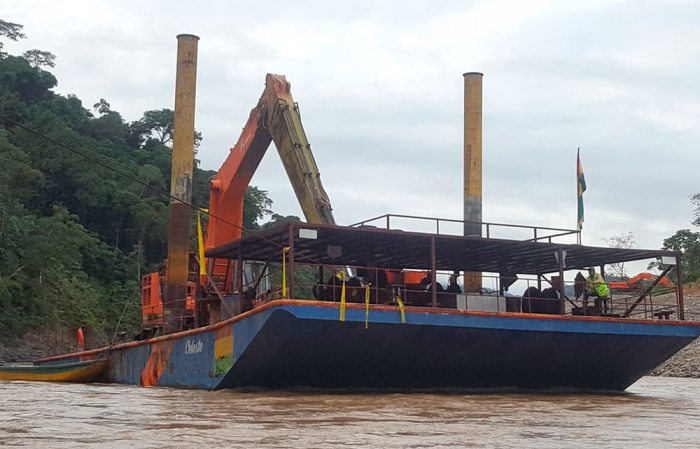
{"x":654,"y":413}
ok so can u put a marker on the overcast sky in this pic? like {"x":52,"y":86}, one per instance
{"x":380,"y":89}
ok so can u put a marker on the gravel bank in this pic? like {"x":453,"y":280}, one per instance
{"x":687,"y":362}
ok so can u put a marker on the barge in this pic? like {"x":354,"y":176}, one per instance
{"x":342,"y":309}
{"x":365,"y":306}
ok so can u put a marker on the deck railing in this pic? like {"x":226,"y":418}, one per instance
{"x":660,"y":303}
{"x":447,"y":226}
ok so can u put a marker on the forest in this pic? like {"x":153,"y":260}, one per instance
{"x":75,"y":233}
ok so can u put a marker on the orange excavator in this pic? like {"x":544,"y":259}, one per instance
{"x":275,"y":118}
{"x":640,"y":281}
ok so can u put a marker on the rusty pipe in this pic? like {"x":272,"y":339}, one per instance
{"x":174,"y":306}
{"x":472,"y":165}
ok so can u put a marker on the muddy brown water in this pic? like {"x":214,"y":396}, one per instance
{"x":656,"y":412}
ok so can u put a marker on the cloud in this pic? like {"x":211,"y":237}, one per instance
{"x":380,"y":90}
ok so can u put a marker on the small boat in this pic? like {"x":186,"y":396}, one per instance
{"x":85,"y":371}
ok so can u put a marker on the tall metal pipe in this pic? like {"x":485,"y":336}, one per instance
{"x":472,"y":165}
{"x":181,"y":184}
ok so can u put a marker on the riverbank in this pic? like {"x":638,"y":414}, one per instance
{"x":687,"y":362}
{"x":37,"y":344}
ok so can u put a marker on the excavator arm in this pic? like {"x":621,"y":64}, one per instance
{"x":295,"y":151}
{"x":275,"y":118}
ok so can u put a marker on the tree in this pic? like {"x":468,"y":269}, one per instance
{"x":154,"y":125}
{"x":256,"y":204}
{"x":687,"y":242}
{"x":18,"y":77}
{"x":40,"y":58}
{"x":12,"y":31}
{"x":37,"y":58}
{"x":157,"y":126}
{"x":276,"y":219}
{"x":102,"y":107}
{"x":109,"y":126}
{"x":624,"y":240}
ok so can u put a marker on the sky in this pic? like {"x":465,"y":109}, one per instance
{"x":380,"y":88}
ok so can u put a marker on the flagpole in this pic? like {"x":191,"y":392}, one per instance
{"x":580,"y":188}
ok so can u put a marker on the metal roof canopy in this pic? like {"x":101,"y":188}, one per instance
{"x":368,"y":246}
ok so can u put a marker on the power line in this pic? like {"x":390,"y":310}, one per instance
{"x":148,"y":186}
{"x":130,"y":177}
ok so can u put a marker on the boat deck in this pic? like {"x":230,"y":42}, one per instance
{"x":398,"y":264}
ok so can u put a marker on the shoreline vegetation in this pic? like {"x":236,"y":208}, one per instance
{"x":83,"y":205}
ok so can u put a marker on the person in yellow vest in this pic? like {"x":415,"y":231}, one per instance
{"x":596,"y":286}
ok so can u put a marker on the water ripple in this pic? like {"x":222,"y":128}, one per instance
{"x":655,"y":412}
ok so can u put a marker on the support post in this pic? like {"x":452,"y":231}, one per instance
{"x":433,"y":272}
{"x":562,"y":304}
{"x":241,"y":274}
{"x":181,"y":184}
{"x":681,"y":305}
{"x":290,"y":255}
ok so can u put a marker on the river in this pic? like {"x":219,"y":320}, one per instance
{"x":656,"y":412}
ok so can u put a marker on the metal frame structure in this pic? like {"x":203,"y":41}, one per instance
{"x":361,"y":245}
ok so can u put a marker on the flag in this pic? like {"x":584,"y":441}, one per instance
{"x":200,"y":243}
{"x":581,"y":187}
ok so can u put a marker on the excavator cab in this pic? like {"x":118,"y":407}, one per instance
{"x":153,"y":296}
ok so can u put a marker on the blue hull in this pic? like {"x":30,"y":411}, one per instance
{"x":290,"y":343}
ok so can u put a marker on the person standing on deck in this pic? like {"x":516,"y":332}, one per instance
{"x":452,"y":285}
{"x":596,"y":286}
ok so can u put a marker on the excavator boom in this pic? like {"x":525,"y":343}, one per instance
{"x":275,"y":118}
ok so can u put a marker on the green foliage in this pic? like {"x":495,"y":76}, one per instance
{"x":75,"y":236}
{"x":39,"y":58}
{"x":276,"y":219}
{"x":687,"y":242}
{"x":156,"y":128}
{"x":31,"y":84}
{"x":12,"y":31}
{"x":305,"y":276}
{"x":256,"y":205}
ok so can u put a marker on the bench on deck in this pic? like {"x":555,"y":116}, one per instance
{"x":663,"y":314}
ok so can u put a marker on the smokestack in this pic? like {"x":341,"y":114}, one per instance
{"x":472,"y":165}
{"x":181,"y":184}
